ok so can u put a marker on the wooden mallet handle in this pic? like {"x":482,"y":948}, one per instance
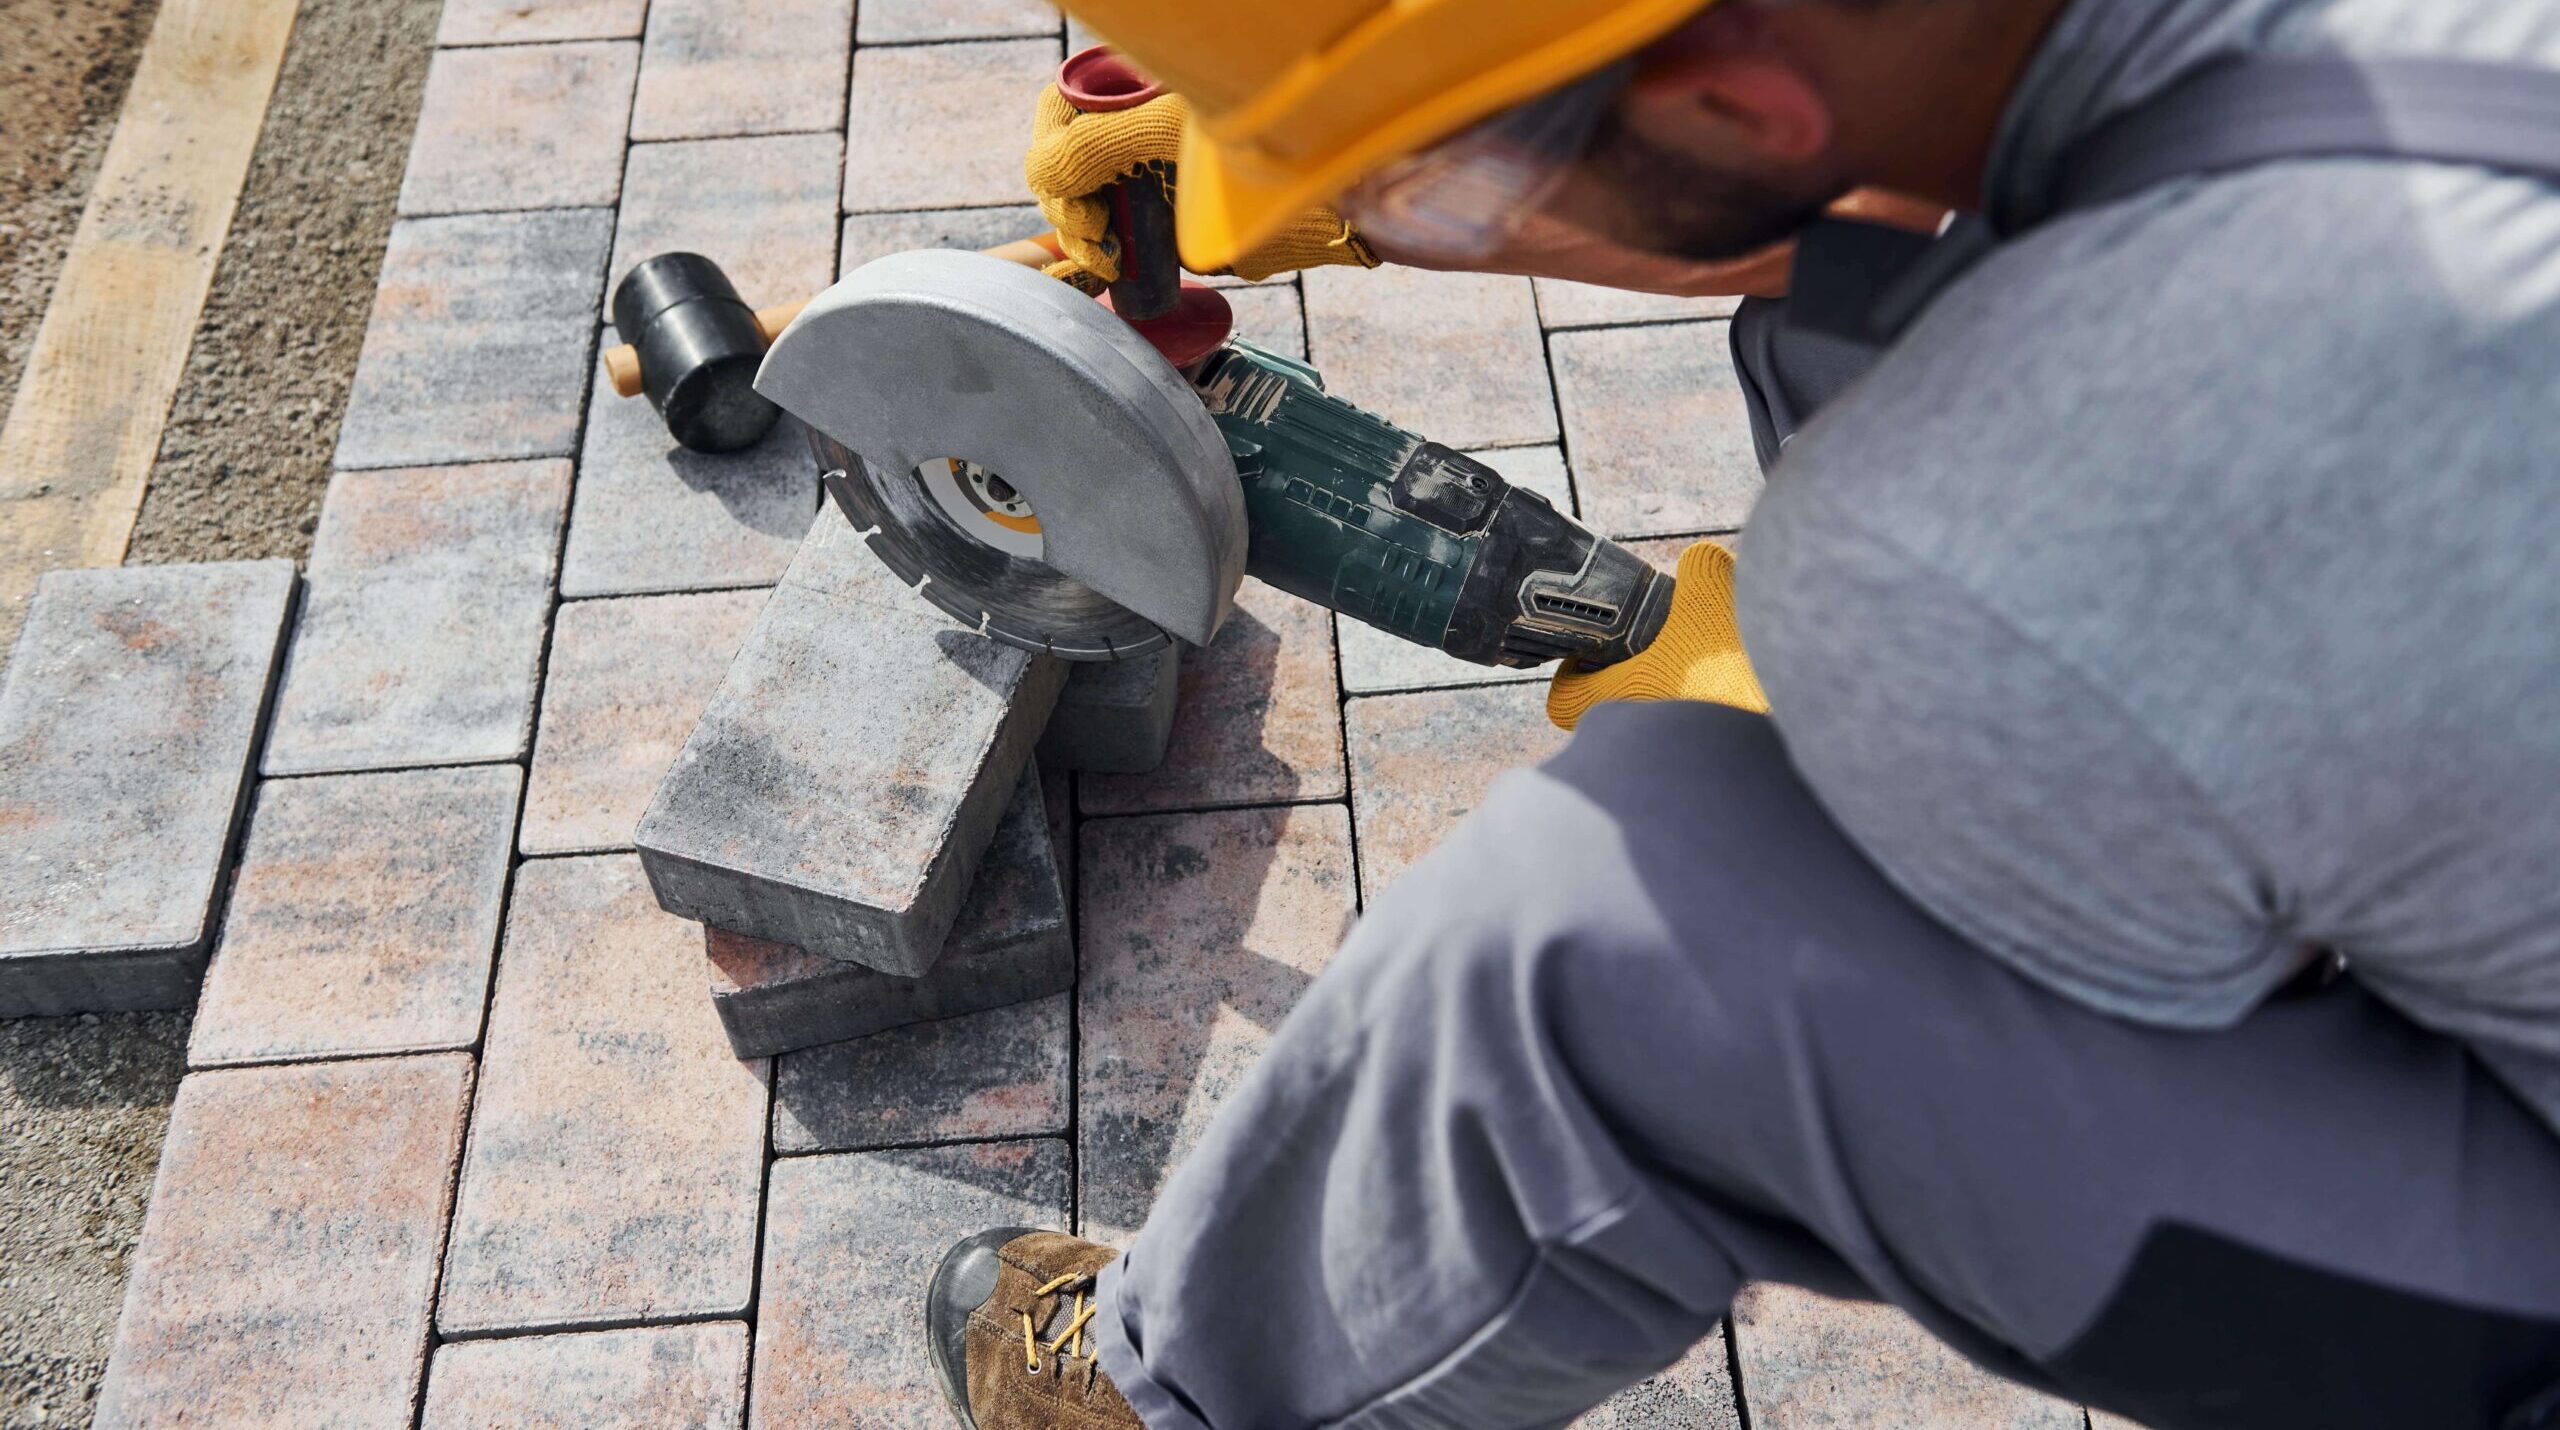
{"x":622,"y":363}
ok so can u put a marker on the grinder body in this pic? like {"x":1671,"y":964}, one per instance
{"x":1347,"y":510}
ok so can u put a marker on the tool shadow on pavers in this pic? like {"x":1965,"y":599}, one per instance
{"x":840,"y":789}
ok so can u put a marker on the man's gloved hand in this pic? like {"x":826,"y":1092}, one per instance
{"x":1698,"y":656}
{"x":1074,"y":156}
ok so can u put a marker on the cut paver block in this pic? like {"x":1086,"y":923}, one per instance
{"x":651,"y":516}
{"x":764,"y":209}
{"x":1009,"y":944}
{"x":1563,"y":304}
{"x":479,"y":340}
{"x":1114,"y":716}
{"x":1695,"y":1394}
{"x":128,"y":729}
{"x":1420,"y":762}
{"x":288,"y":1261}
{"x":516,"y":22}
{"x":1001,"y":1073}
{"x":846,"y":778}
{"x":1809,"y":1363}
{"x":901,"y":22}
{"x":720,"y":67}
{"x":848,"y":1240}
{"x":521,"y":127}
{"x":1374,"y":661}
{"x":1660,"y":435}
{"x":617,"y":1144}
{"x":941,"y":126}
{"x":1255,"y":717}
{"x":628,"y":679}
{"x":870,"y":236}
{"x":673,"y":1377}
{"x":1456,"y":357}
{"x":421,"y":637}
{"x":363,"y":919}
{"x":1199,"y":932}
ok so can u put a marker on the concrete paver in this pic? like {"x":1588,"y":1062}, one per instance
{"x":1009,"y":944}
{"x":1420,"y":762}
{"x":1695,"y":1394}
{"x":1200,"y":931}
{"x":1811,"y":1363}
{"x":942,"y":126}
{"x":521,"y":127}
{"x":843,"y":783}
{"x":877,"y":235}
{"x":421,"y":636}
{"x":515,"y":22}
{"x":848,"y":1241}
{"x":651,"y":516}
{"x":289,"y":1257}
{"x":128,"y":727}
{"x":762,"y":208}
{"x":627,"y":680}
{"x":1660,"y":437}
{"x":1456,"y":357}
{"x":1563,"y":304}
{"x":479,"y":340}
{"x":1255,"y":719}
{"x":363,"y":919}
{"x":1114,"y":716}
{"x":666,"y":1377}
{"x":1374,"y":661}
{"x":712,"y":68}
{"x":616,"y":1144}
{"x":899,"y":22}
{"x":1001,"y":1073}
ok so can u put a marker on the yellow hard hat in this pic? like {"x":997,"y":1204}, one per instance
{"x":1293,"y":101}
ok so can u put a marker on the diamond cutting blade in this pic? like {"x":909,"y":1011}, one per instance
{"x":1022,"y":457}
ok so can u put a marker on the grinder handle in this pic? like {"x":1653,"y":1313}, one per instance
{"x":622,"y":363}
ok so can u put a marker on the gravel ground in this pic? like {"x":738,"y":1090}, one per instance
{"x":84,"y":1101}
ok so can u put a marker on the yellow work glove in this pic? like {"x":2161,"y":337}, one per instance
{"x":1698,"y":656}
{"x":1074,"y":156}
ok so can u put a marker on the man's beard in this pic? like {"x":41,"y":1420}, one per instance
{"x":1634,"y":192}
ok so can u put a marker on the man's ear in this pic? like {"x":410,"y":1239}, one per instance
{"x":1749,"y":100}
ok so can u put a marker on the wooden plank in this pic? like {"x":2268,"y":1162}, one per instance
{"x":85,"y":424}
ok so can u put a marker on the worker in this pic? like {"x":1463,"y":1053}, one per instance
{"x":2129,"y":941}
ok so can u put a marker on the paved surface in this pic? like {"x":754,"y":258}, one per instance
{"x":590,"y":1211}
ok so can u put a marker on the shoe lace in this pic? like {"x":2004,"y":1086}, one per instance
{"x":1070,"y":1344}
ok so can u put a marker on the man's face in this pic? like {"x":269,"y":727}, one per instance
{"x":1640,"y":190}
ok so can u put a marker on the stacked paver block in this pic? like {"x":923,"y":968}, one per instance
{"x":843,"y":784}
{"x":421,"y":640}
{"x":127,"y":732}
{"x":1009,"y":944}
{"x":671,"y":1377}
{"x":997,"y":1074}
{"x":1115,"y":716}
{"x":288,"y":1262}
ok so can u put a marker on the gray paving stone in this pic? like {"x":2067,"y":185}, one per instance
{"x":513,"y":22}
{"x":521,"y":127}
{"x":848,"y":1240}
{"x":1811,"y":1363}
{"x":627,"y":680}
{"x":289,"y":1258}
{"x":616,"y":1145}
{"x":942,"y":126}
{"x":668,"y":1377}
{"x":363,"y":919}
{"x":1374,"y":661}
{"x":1660,"y":437}
{"x":1588,"y":305}
{"x":1001,"y":1073}
{"x":128,"y":727}
{"x":870,"y":236}
{"x":720,"y":67}
{"x":1420,"y":762}
{"x":1694,"y":1394}
{"x":900,"y":22}
{"x":842,"y":785}
{"x":1114,"y":717}
{"x":651,"y":516}
{"x":421,"y":635}
{"x":478,"y":344}
{"x":763,"y":208}
{"x":1009,"y":944}
{"x":1456,"y":357}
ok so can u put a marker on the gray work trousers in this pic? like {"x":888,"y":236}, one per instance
{"x":1648,"y":1026}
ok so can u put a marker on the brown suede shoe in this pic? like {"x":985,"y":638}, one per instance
{"x":1008,"y":1326}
